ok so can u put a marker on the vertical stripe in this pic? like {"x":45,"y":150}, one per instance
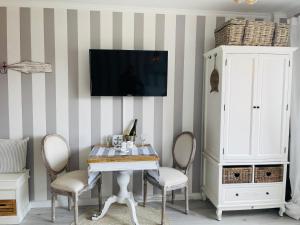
{"x":14,"y":78}
{"x":73,"y":88}
{"x":179,"y":70}
{"x":26,"y":80}
{"x":61,"y":71}
{"x":84,"y":101}
{"x":168,"y":102}
{"x":50,"y":77}
{"x":148,"y":102}
{"x":138,"y":101}
{"x":95,"y":100}
{"x":49,"y":43}
{"x":189,"y":80}
{"x":4,"y":118}
{"x":117,"y":101}
{"x":189,"y":73}
{"x":106,"y":42}
{"x":198,"y":92}
{"x":158,"y":101}
{"x":220,"y":21}
{"x":127,"y":43}
{"x":38,"y":103}
{"x":210,"y":25}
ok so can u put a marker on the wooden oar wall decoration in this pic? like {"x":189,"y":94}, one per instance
{"x":27,"y":67}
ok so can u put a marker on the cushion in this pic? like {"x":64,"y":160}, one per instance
{"x":13,"y":155}
{"x":169,"y":177}
{"x":73,"y":181}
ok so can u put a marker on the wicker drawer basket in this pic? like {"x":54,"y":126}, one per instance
{"x":259,"y":33}
{"x":237,"y":175}
{"x":231,"y":33}
{"x":8,"y":208}
{"x":281,"y":35}
{"x":268,"y":174}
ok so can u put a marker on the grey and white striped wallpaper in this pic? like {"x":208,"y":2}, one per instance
{"x":59,"y":102}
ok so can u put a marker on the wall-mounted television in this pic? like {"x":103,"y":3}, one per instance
{"x":128,"y":72}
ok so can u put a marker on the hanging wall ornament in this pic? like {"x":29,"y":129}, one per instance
{"x":214,"y":78}
{"x":27,"y":67}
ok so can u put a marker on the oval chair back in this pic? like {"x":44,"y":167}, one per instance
{"x":184,"y":149}
{"x":55,"y":153}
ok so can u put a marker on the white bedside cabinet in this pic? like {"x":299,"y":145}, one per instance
{"x":14,"y":198}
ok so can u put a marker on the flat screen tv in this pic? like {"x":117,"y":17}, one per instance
{"x":128,"y":72}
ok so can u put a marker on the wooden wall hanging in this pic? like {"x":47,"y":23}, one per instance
{"x":27,"y":67}
{"x":214,"y":78}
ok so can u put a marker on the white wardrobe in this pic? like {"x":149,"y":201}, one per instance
{"x":246,"y":127}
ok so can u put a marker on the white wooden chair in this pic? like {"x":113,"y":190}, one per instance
{"x":56,"y":156}
{"x":171,"y":179}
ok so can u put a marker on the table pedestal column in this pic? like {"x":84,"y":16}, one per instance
{"x":123,"y":197}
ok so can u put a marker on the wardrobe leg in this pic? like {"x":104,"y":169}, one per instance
{"x":219,"y":214}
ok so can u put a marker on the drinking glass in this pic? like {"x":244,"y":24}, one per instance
{"x":143,"y":139}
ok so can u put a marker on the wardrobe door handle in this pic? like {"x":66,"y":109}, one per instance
{"x":257,"y":107}
{"x":254,"y":107}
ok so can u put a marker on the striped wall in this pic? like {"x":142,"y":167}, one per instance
{"x":59,"y":102}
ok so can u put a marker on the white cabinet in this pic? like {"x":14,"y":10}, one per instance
{"x":246,"y":121}
{"x":14,"y":197}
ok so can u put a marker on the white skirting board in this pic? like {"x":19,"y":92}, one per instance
{"x":62,"y":202}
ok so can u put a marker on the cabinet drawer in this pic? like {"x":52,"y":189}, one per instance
{"x":252,"y":194}
{"x":240,"y":174}
{"x":8,"y":208}
{"x":268,"y":174}
{"x":7,"y":194}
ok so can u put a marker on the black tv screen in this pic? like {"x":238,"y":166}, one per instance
{"x":128,"y":72}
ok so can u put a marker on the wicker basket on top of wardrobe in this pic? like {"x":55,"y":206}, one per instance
{"x":259,"y":33}
{"x":281,"y":35}
{"x":230,"y":33}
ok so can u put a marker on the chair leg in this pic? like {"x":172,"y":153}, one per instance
{"x":163,"y":207}
{"x":75,"y":200}
{"x":99,"y":194}
{"x":53,"y":201}
{"x":173,"y":196}
{"x":186,"y":190}
{"x":145,"y":191}
{"x":69,"y":203}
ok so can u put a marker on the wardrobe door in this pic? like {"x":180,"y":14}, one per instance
{"x":273,"y":88}
{"x":240,"y":78}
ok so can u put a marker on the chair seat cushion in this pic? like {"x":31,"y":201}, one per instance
{"x":73,"y":181}
{"x":169,"y":177}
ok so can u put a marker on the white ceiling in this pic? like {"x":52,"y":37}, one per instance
{"x":263,"y":6}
